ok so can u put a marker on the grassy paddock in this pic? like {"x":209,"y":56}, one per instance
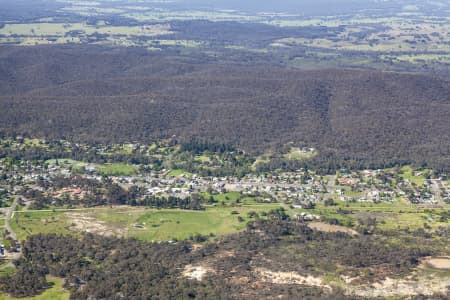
{"x":56,"y":292}
{"x":117,"y":169}
{"x":179,"y":172}
{"x":164,"y":224}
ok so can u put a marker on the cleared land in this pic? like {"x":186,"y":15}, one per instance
{"x":144,"y":224}
{"x":56,"y":292}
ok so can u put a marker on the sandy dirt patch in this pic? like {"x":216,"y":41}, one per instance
{"x":401,"y":287}
{"x":196,"y":272}
{"x":437,"y":262}
{"x":331,"y":228}
{"x":266,"y":275}
{"x":85,"y":223}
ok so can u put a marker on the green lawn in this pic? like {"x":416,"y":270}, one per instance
{"x":354,"y":194}
{"x":181,"y":224}
{"x":179,"y":172}
{"x":28,"y":223}
{"x":227,"y":197}
{"x":56,"y":292}
{"x":231,"y":198}
{"x":297,"y":154}
{"x":115,"y":169}
{"x":390,"y":216}
{"x":67,"y":162}
{"x":408,"y":173}
{"x":118,"y":169}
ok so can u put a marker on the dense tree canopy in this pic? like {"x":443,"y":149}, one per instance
{"x":356,"y":118}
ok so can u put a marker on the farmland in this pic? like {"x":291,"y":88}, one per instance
{"x":405,"y":40}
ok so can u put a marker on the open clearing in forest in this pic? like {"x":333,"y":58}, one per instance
{"x":142,"y":223}
{"x":442,"y":263}
{"x":331,"y":228}
{"x":55,"y":292}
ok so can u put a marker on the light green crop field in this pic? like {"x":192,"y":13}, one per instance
{"x":56,"y":292}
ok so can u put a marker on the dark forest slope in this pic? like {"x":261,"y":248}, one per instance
{"x":95,"y":94}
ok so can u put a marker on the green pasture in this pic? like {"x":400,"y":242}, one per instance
{"x":389,"y":216}
{"x":55,"y":292}
{"x":118,"y":169}
{"x":179,"y":172}
{"x":26,"y":223}
{"x":142,"y":223}
{"x":75,"y":164}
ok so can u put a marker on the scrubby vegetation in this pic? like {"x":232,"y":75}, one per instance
{"x":101,"y":267}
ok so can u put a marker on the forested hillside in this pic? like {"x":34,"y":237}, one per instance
{"x":99,"y":94}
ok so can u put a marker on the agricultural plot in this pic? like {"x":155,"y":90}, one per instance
{"x":397,"y":39}
{"x":61,"y":33}
{"x":190,"y":15}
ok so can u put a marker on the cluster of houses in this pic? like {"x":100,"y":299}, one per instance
{"x":297,"y":187}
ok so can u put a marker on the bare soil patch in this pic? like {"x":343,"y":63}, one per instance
{"x":331,"y":228}
{"x":390,"y":287}
{"x":85,"y":223}
{"x":196,"y":272}
{"x":437,"y":262}
{"x":266,"y":275}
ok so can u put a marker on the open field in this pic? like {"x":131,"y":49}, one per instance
{"x":63,"y":33}
{"x":27,"y":223}
{"x":377,"y":35}
{"x":78,"y":165}
{"x":56,"y":292}
{"x":416,"y":177}
{"x":63,"y":29}
{"x":117,"y":169}
{"x":144,"y":224}
{"x":299,"y":154}
{"x":190,"y":15}
{"x":388,"y":216}
{"x":179,"y":172}
{"x":112,"y":169}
